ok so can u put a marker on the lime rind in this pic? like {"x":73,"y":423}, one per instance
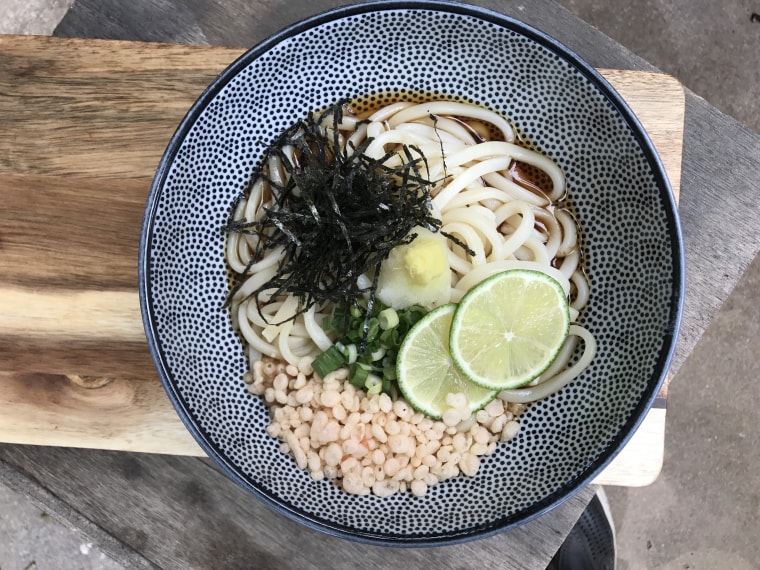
{"x":481,"y":348}
{"x":426,"y":373}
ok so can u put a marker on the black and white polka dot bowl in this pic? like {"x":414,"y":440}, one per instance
{"x":617,"y":185}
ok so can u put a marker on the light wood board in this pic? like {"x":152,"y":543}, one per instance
{"x":84,"y":124}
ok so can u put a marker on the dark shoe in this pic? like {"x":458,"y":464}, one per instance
{"x":591,"y":542}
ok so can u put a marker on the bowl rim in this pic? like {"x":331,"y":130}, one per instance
{"x":676,"y":306}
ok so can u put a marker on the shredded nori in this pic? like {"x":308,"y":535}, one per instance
{"x":338,"y":215}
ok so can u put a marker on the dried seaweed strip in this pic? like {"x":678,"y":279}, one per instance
{"x":337,"y":217}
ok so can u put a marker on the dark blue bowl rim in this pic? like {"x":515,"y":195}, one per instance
{"x":571,"y":487}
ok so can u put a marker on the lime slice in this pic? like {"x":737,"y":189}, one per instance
{"x":425,"y":370}
{"x":509,"y":328}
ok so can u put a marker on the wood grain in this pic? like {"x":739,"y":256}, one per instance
{"x":87,"y":122}
{"x":179,"y":513}
{"x":132,"y":411}
{"x":647,"y":97}
{"x":65,"y":315}
{"x":131,"y":496}
{"x":69,"y":232}
{"x":96,"y":108}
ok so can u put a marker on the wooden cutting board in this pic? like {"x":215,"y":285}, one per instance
{"x":83,"y":124}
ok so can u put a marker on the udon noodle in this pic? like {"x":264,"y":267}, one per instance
{"x":482,"y":196}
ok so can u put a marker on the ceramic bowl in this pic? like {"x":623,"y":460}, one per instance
{"x":631,"y":236}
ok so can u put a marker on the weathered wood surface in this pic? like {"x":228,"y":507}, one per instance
{"x":69,"y":287}
{"x":69,"y":293}
{"x":719,"y":198}
{"x":179,"y":512}
{"x":718,"y":205}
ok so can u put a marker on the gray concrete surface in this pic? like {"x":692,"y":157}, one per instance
{"x":702,"y":513}
{"x":712,"y":47}
{"x":32,"y":17}
{"x":31,"y":540}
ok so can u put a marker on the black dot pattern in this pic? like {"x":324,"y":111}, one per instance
{"x":629,"y":234}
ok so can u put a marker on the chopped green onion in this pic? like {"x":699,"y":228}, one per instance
{"x":351,"y":353}
{"x":340,"y":319}
{"x":373,"y":328}
{"x":373,"y":384}
{"x":388,"y":318}
{"x":357,"y":374}
{"x":368,"y":340}
{"x":390,"y":338}
{"x":329,"y":361}
{"x":378,"y":353}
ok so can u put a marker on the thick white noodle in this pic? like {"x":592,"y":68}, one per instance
{"x":536,"y":251}
{"x":457,"y":110}
{"x":474,"y":195}
{"x":376,"y":148}
{"x":276,"y":171}
{"x":375,"y":129}
{"x":233,"y":253}
{"x":461,"y":181}
{"x":259,"y":277}
{"x":478,"y":274}
{"x":523,"y":231}
{"x":562,"y":360}
{"x":505,"y":224}
{"x":481,"y":220}
{"x":315,"y":330}
{"x":250,"y":334}
{"x":468,"y":235}
{"x":458,"y":262}
{"x":430,"y":132}
{"x":582,"y":291}
{"x":570,"y":263}
{"x":450,"y":126}
{"x":491,"y":149}
{"x":560,"y":380}
{"x":356,"y":139}
{"x":385,"y":113}
{"x":264,"y":315}
{"x":514,"y":190}
{"x":553,"y":232}
{"x":569,"y":231}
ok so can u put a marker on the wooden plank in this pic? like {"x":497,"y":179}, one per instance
{"x":72,"y":233}
{"x":644,"y":453}
{"x":714,"y":209}
{"x":74,"y":300}
{"x":75,"y":411}
{"x":181,"y":512}
{"x":646,"y":97}
{"x":639,"y":463}
{"x":100,"y":357}
{"x":65,"y":315}
{"x":130,"y":96}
